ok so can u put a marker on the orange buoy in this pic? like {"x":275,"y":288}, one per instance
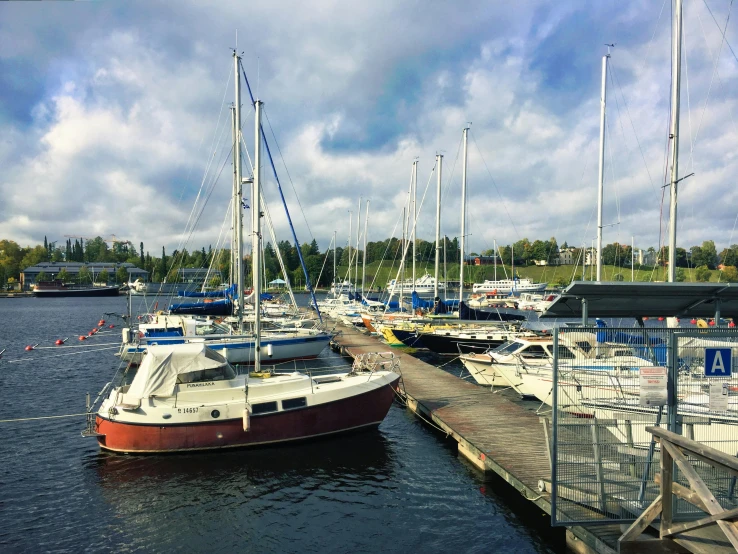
{"x":90,"y":334}
{"x":29,"y":347}
{"x":731,"y":324}
{"x":645,"y":319}
{"x":101,"y":323}
{"x":711,"y":322}
{"x":59,"y":342}
{"x":661,"y":319}
{"x":82,"y":337}
{"x":693,"y":321}
{"x":111,"y":326}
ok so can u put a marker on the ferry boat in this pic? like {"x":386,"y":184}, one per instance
{"x":57,"y":288}
{"x":423,"y":285}
{"x":514,"y":286}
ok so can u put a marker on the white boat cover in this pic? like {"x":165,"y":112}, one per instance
{"x":161,"y":365}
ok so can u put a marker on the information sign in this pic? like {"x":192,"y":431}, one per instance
{"x":653,"y":386}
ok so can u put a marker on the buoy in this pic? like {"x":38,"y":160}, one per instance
{"x":101,"y":323}
{"x":29,"y":347}
{"x":731,"y":324}
{"x":82,"y":337}
{"x":645,"y":319}
{"x":90,"y":334}
{"x":661,"y":319}
{"x":59,"y":342}
{"x":693,"y":321}
{"x":711,"y":322}
{"x":111,"y":326}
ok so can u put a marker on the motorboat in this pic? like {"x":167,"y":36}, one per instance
{"x":515,"y":286}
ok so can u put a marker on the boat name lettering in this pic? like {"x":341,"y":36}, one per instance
{"x":211,"y":383}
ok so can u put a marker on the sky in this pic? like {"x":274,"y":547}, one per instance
{"x":114,"y":118}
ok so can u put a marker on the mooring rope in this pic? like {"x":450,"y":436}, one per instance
{"x":41,"y":417}
{"x":33,"y":359}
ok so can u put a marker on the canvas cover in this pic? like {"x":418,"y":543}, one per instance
{"x":161,"y":365}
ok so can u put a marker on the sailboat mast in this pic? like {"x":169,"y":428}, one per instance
{"x":238,"y":220}
{"x":234,"y":200}
{"x":601,"y":176}
{"x":439,"y":165}
{"x":358,"y":233}
{"x":676,"y":81}
{"x":415,"y":213}
{"x":363,"y":267}
{"x":256,"y":229}
{"x":335,"y":247}
{"x":351,"y":221}
{"x":463,"y":217}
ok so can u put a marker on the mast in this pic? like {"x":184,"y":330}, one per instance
{"x":495,"y":244}
{"x":402,"y":261}
{"x":601,"y":177}
{"x":463,"y":217}
{"x":335,"y":284}
{"x":351,"y":217}
{"x":256,"y":226}
{"x":415,"y":212}
{"x":439,"y":164}
{"x":356,"y":263}
{"x":676,"y":80}
{"x":238,"y":219}
{"x":234,"y":199}
{"x":363,"y":267}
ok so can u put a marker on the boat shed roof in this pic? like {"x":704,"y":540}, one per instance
{"x":619,"y":299}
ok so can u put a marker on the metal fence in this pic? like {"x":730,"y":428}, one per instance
{"x":606,"y":386}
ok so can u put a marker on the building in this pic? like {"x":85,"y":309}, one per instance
{"x":29,"y":276}
{"x":567,"y":256}
{"x":481,"y":260}
{"x":645,"y":257}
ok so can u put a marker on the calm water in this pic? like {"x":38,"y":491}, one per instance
{"x":398,"y":489}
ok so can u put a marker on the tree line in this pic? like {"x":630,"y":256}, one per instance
{"x":14,"y":258}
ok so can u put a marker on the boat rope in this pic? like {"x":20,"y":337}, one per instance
{"x":41,"y":417}
{"x":73,"y":346}
{"x":34,"y":359}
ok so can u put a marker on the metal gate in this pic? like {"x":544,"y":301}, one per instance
{"x":609,"y":384}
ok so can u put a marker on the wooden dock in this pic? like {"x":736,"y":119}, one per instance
{"x":493,"y":432}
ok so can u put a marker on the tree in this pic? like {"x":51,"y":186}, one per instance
{"x":42,"y":276}
{"x":702,"y":274}
{"x":730,"y":274}
{"x":709,"y":254}
{"x":103,"y":276}
{"x":729,"y":256}
{"x":681,"y":275}
{"x":143,"y":259}
{"x":214,"y":281}
{"x":121,"y":276}
{"x":63,"y":275}
{"x":84,"y":275}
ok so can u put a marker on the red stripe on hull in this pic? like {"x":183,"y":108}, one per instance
{"x":334,"y":417}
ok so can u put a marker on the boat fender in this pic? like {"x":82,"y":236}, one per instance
{"x":247,"y":418}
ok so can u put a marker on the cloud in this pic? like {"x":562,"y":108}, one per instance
{"x":112,"y":113}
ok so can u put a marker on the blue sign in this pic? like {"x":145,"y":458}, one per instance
{"x":717,"y":362}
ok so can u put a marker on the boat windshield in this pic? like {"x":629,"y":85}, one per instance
{"x":221,"y":373}
{"x":507,"y":347}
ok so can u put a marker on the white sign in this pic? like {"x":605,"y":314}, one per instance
{"x":653,"y":386}
{"x":718,"y":396}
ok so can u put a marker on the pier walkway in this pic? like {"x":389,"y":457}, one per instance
{"x":493,"y":432}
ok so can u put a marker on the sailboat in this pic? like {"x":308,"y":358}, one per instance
{"x":188,"y":397}
{"x":232,"y":337}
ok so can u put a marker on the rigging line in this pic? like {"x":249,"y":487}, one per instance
{"x":718,"y":26}
{"x":608,"y":144}
{"x":308,"y":285}
{"x":494,"y":183}
{"x":614,"y":81}
{"x":714,"y":67}
{"x":41,"y":417}
{"x":289,"y":177}
{"x":689,"y":104}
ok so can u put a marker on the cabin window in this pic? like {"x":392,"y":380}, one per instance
{"x":565,"y":353}
{"x":507,"y":348}
{"x":263,"y":408}
{"x":294,"y":403}
{"x":534,"y":351}
{"x":222,"y":373}
{"x":584,"y":345}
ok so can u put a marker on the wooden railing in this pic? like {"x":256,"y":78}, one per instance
{"x":675,"y":449}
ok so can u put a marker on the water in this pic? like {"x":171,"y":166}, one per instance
{"x":397,"y":489}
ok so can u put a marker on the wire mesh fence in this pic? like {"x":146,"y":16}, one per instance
{"x":606,"y":386}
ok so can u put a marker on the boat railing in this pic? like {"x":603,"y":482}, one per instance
{"x":371,"y":362}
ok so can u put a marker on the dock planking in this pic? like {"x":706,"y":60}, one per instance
{"x":494,"y":433}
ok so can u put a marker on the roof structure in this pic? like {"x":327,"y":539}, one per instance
{"x":619,"y":299}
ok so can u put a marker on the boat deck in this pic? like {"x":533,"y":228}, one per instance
{"x":495,"y":432}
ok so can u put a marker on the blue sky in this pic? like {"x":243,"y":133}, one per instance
{"x":111,"y":111}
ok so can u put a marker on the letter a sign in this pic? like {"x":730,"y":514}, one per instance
{"x":717,"y":362}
